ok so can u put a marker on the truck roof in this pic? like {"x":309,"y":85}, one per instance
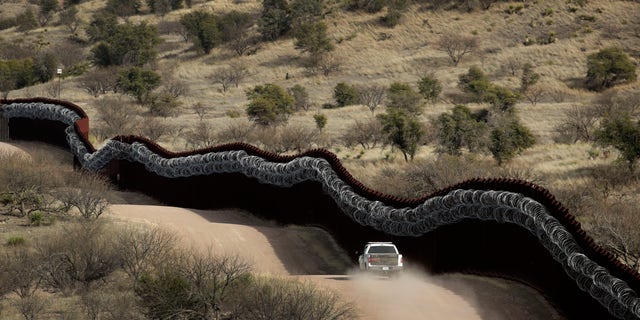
{"x":379,"y":242}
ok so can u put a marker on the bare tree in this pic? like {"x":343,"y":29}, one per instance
{"x":366,"y":133}
{"x":30,"y":307}
{"x":175,"y":88}
{"x":154,"y":128}
{"x":535,"y":93}
{"x":234,"y":73}
{"x":615,"y":227}
{"x":200,"y":110}
{"x":236,"y":131}
{"x":372,"y":96}
{"x":81,"y":253}
{"x":579,"y":124}
{"x":99,"y":82}
{"x":328,"y":64}
{"x":295,"y":138}
{"x":117,"y":117}
{"x":25,"y":185}
{"x":201,"y":135}
{"x":144,"y":248}
{"x":87,"y":192}
{"x":457,"y":46}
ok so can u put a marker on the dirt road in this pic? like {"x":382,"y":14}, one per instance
{"x":311,"y":255}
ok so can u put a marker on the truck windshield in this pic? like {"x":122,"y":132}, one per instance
{"x":382,"y":249}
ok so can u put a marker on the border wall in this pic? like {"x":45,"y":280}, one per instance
{"x":495,"y":227}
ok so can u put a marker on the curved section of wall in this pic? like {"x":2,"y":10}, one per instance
{"x":471,"y":203}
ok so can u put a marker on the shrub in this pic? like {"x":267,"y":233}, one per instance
{"x":608,"y":67}
{"x":345,"y":94}
{"x":430,"y":88}
{"x":203,"y":30}
{"x":269,"y":104}
{"x":275,"y":20}
{"x":402,"y":96}
{"x":138,"y":83}
{"x":16,"y":241}
{"x":275,"y":298}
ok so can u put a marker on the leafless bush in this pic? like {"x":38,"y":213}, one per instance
{"x":68,"y":53}
{"x":87,"y":192}
{"x":327,"y":64}
{"x":614,"y":227}
{"x":239,"y":130}
{"x":19,"y":273}
{"x":154,"y":128}
{"x":193,"y":284}
{"x":99,"y":82}
{"x":110,"y":305}
{"x":143,"y":248}
{"x":366,"y":133}
{"x":30,"y":307}
{"x":535,"y":94}
{"x":201,"y":135}
{"x":233,"y":74}
{"x":618,"y":102}
{"x":512,"y":66}
{"x":579,"y":124}
{"x":295,"y":138}
{"x":372,"y":96}
{"x":175,"y":88}
{"x":457,"y":46}
{"x":279,"y":298}
{"x":25,"y":185}
{"x":80,"y":254}
{"x":118,"y":117}
{"x":200,"y":110}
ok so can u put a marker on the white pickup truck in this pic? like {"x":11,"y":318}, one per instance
{"x":381,"y":257}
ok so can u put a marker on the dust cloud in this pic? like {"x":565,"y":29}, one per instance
{"x":411,"y":295}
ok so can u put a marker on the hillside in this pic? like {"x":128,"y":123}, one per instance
{"x":370,"y":53}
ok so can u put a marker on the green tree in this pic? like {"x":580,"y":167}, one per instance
{"x":26,"y":21}
{"x":203,"y":30}
{"x":608,"y":67}
{"x":70,"y":19}
{"x":312,"y":37}
{"x":130,"y":44}
{"x":403,"y":96}
{"x":623,"y":133}
{"x":162,"y":7}
{"x":305,"y":11}
{"x":403,"y":131}
{"x":275,"y":19}
{"x":462,"y":128}
{"x":501,"y":98}
{"x":234,"y":29}
{"x":138,"y":83}
{"x":102,"y":27}
{"x":474,"y":82}
{"x":345,"y":94}
{"x":269,"y":104}
{"x":430,"y":88}
{"x":509,"y":138}
{"x":123,"y":8}
{"x":47,"y":9}
{"x":320,"y":120}
{"x":234,"y":25}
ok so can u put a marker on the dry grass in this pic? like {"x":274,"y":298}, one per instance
{"x":408,"y":52}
